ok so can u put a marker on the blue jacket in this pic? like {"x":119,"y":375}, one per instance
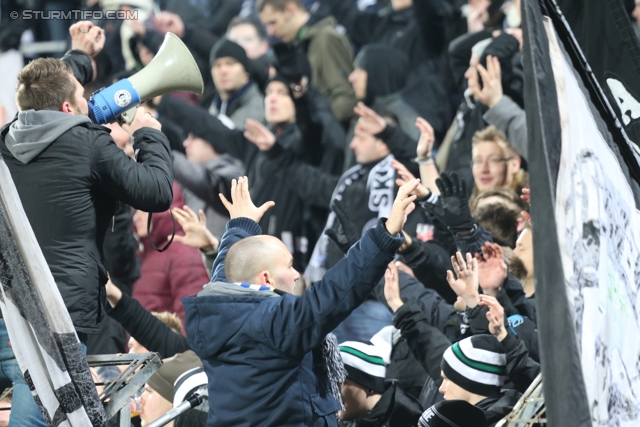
{"x":262,"y":355}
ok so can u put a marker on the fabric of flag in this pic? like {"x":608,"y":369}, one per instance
{"x":42,"y":335}
{"x":584,"y":195}
{"x":604,"y":31}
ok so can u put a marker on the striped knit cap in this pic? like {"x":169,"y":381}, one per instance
{"x":477,"y":364}
{"x":364,"y":365}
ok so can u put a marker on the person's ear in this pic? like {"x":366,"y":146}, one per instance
{"x":67,"y":107}
{"x":265,"y":279}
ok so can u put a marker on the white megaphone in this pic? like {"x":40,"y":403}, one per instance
{"x":172,"y":70}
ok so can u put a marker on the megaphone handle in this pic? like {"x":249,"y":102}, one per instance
{"x":129,"y":115}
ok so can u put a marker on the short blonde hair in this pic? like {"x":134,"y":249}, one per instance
{"x":493,"y":134}
{"x":170,"y":319}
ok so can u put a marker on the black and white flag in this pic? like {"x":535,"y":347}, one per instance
{"x":586,"y":229}
{"x":42,"y":335}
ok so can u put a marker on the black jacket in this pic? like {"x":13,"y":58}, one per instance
{"x":394,"y":409}
{"x":147,"y":329}
{"x":69,"y":187}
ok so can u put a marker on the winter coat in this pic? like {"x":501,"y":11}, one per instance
{"x":206,"y":181}
{"x":394,"y":409}
{"x":331,"y":58}
{"x":168,"y":276}
{"x":262,"y":352}
{"x":245,"y":103}
{"x":69,"y":174}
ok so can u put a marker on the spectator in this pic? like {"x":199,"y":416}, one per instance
{"x":524,"y":252}
{"x":157,"y":398}
{"x":269,"y":355}
{"x":495,"y":164}
{"x":252,"y":36}
{"x":368,"y":399}
{"x":166,"y":276}
{"x":237,"y":98}
{"x":380,"y":73}
{"x":329,"y":52}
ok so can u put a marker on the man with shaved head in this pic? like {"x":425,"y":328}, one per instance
{"x":265,"y":342}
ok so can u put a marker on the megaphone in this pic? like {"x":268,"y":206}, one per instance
{"x":172,"y":70}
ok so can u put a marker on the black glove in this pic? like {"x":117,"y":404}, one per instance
{"x":343,"y":231}
{"x":452,"y":206}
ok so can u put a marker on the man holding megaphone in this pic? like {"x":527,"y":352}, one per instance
{"x":70,"y":175}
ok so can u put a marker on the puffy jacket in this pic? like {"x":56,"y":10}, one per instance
{"x":262,"y":354}
{"x":168,"y":276}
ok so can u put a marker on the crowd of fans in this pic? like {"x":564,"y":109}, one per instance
{"x":328,"y":107}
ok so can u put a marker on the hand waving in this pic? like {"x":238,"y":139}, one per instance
{"x":402,"y":207}
{"x":241,"y":204}
{"x":495,"y":316}
{"x":492,"y":268}
{"x":373,"y":122}
{"x":452,"y":207}
{"x":195,"y":228}
{"x":392,"y":287}
{"x":491,"y":91}
{"x":466,"y":284}
{"x":406,"y":176}
{"x":427,"y":138}
{"x":259,"y":135}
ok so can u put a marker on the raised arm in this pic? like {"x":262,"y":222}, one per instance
{"x":223,"y":139}
{"x":145,"y":184}
{"x":296,"y":325}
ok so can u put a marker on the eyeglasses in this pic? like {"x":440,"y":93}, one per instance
{"x":492,"y":162}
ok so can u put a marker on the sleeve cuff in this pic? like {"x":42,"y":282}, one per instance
{"x":385,"y":241}
{"x":509,"y":343}
{"x":247,"y":224}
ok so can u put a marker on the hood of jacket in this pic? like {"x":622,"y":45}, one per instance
{"x":34,"y":131}
{"x":387,"y":70}
{"x":221,"y":303}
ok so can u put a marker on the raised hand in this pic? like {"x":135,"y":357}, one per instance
{"x":427,"y":138}
{"x":406,"y":176}
{"x":259,"y":135}
{"x":491,"y":91}
{"x":167,"y":22}
{"x":343,"y":232}
{"x":492,"y":268}
{"x":495,"y":316}
{"x":197,"y":235}
{"x":392,"y":287}
{"x":452,"y":207}
{"x":87,"y":37}
{"x":372,"y":121}
{"x":466,"y":283}
{"x":241,"y":204}
{"x":402,"y":207}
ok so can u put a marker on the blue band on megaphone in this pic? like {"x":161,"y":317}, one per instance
{"x":106,"y":105}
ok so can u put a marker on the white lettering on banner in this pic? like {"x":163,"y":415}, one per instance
{"x":629,"y":106}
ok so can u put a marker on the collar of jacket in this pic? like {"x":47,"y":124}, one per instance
{"x":380,"y":414}
{"x":235,"y":97}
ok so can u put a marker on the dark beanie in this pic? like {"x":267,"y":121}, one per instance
{"x":164,"y":378}
{"x":364,"y":365}
{"x":283,"y":80}
{"x":453,"y":413}
{"x":291,"y":63}
{"x":387,"y":70}
{"x":226,"y":48}
{"x":477,"y":364}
